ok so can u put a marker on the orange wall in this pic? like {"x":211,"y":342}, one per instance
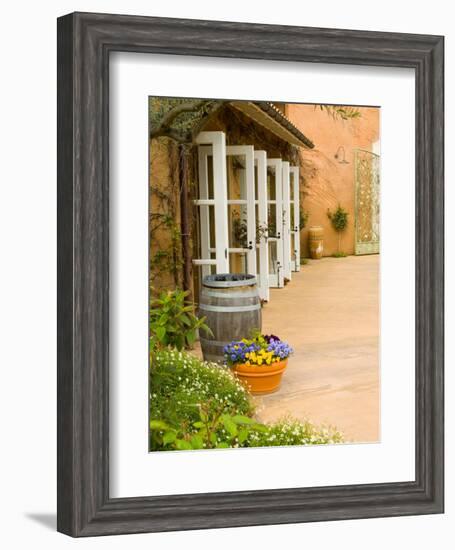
{"x":328,"y":183}
{"x":164,"y":199}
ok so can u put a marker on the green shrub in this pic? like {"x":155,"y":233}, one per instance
{"x":172,"y":321}
{"x":212,"y":431}
{"x":339,"y":220}
{"x":199,"y":405}
{"x":182,"y":388}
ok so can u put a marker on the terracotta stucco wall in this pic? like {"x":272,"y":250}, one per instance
{"x":326,"y":181}
{"x":165,"y":257}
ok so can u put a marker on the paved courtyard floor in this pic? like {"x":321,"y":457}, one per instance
{"x":329,"y":313}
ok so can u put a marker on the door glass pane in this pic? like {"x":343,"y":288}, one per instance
{"x":238,"y":262}
{"x":256,"y":217}
{"x":210,"y":176}
{"x":261,"y":229}
{"x":235,"y":177}
{"x":238,"y":235}
{"x":197,"y":191}
{"x":271,"y":220}
{"x":271,"y":189}
{"x":209,"y":212}
{"x":292,"y":216}
{"x":212,"y":225}
{"x":272,"y":257}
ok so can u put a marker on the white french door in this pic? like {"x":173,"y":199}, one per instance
{"x":248,"y":213}
{"x":213,"y":226}
{"x":260,"y":173}
{"x":286,"y":222}
{"x":240,"y":210}
{"x":275,"y":222}
{"x":295,"y":217}
{"x":226,"y":202}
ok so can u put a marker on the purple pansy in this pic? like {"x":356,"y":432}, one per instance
{"x":235,"y":352}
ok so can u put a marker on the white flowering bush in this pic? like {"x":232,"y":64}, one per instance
{"x":200,"y":405}
{"x":183,"y":389}
{"x":293,"y":432}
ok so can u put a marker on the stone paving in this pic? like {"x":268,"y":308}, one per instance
{"x":329,"y":313}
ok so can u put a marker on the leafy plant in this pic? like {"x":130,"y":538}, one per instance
{"x":213,"y":430}
{"x":339,"y":219}
{"x":340,"y":111}
{"x":240,"y":230}
{"x":303,"y":218}
{"x":166,"y":260}
{"x":199,"y":405}
{"x":181,"y":386}
{"x":172,"y":321}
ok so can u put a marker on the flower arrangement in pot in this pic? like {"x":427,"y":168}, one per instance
{"x":259,"y":361}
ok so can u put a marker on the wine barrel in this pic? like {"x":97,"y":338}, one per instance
{"x":316,"y":241}
{"x":232,"y":307}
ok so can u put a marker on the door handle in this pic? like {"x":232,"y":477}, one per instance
{"x":250,"y":245}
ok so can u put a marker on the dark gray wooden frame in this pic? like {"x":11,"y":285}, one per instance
{"x":84,"y":44}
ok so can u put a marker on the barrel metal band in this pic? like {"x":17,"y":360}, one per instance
{"x":214,"y":294}
{"x":215,"y":343}
{"x":229,"y":309}
{"x":230,"y":284}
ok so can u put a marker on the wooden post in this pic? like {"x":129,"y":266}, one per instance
{"x":263,"y":268}
{"x":295,"y":171}
{"x":184,"y":222}
{"x":276,"y":279}
{"x":286,"y":222}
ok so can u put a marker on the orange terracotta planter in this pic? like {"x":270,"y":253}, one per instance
{"x":261,"y":379}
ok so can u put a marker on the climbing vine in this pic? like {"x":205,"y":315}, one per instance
{"x":165,"y":234}
{"x":303,"y":218}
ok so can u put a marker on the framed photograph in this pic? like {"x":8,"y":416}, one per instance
{"x":250,"y":274}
